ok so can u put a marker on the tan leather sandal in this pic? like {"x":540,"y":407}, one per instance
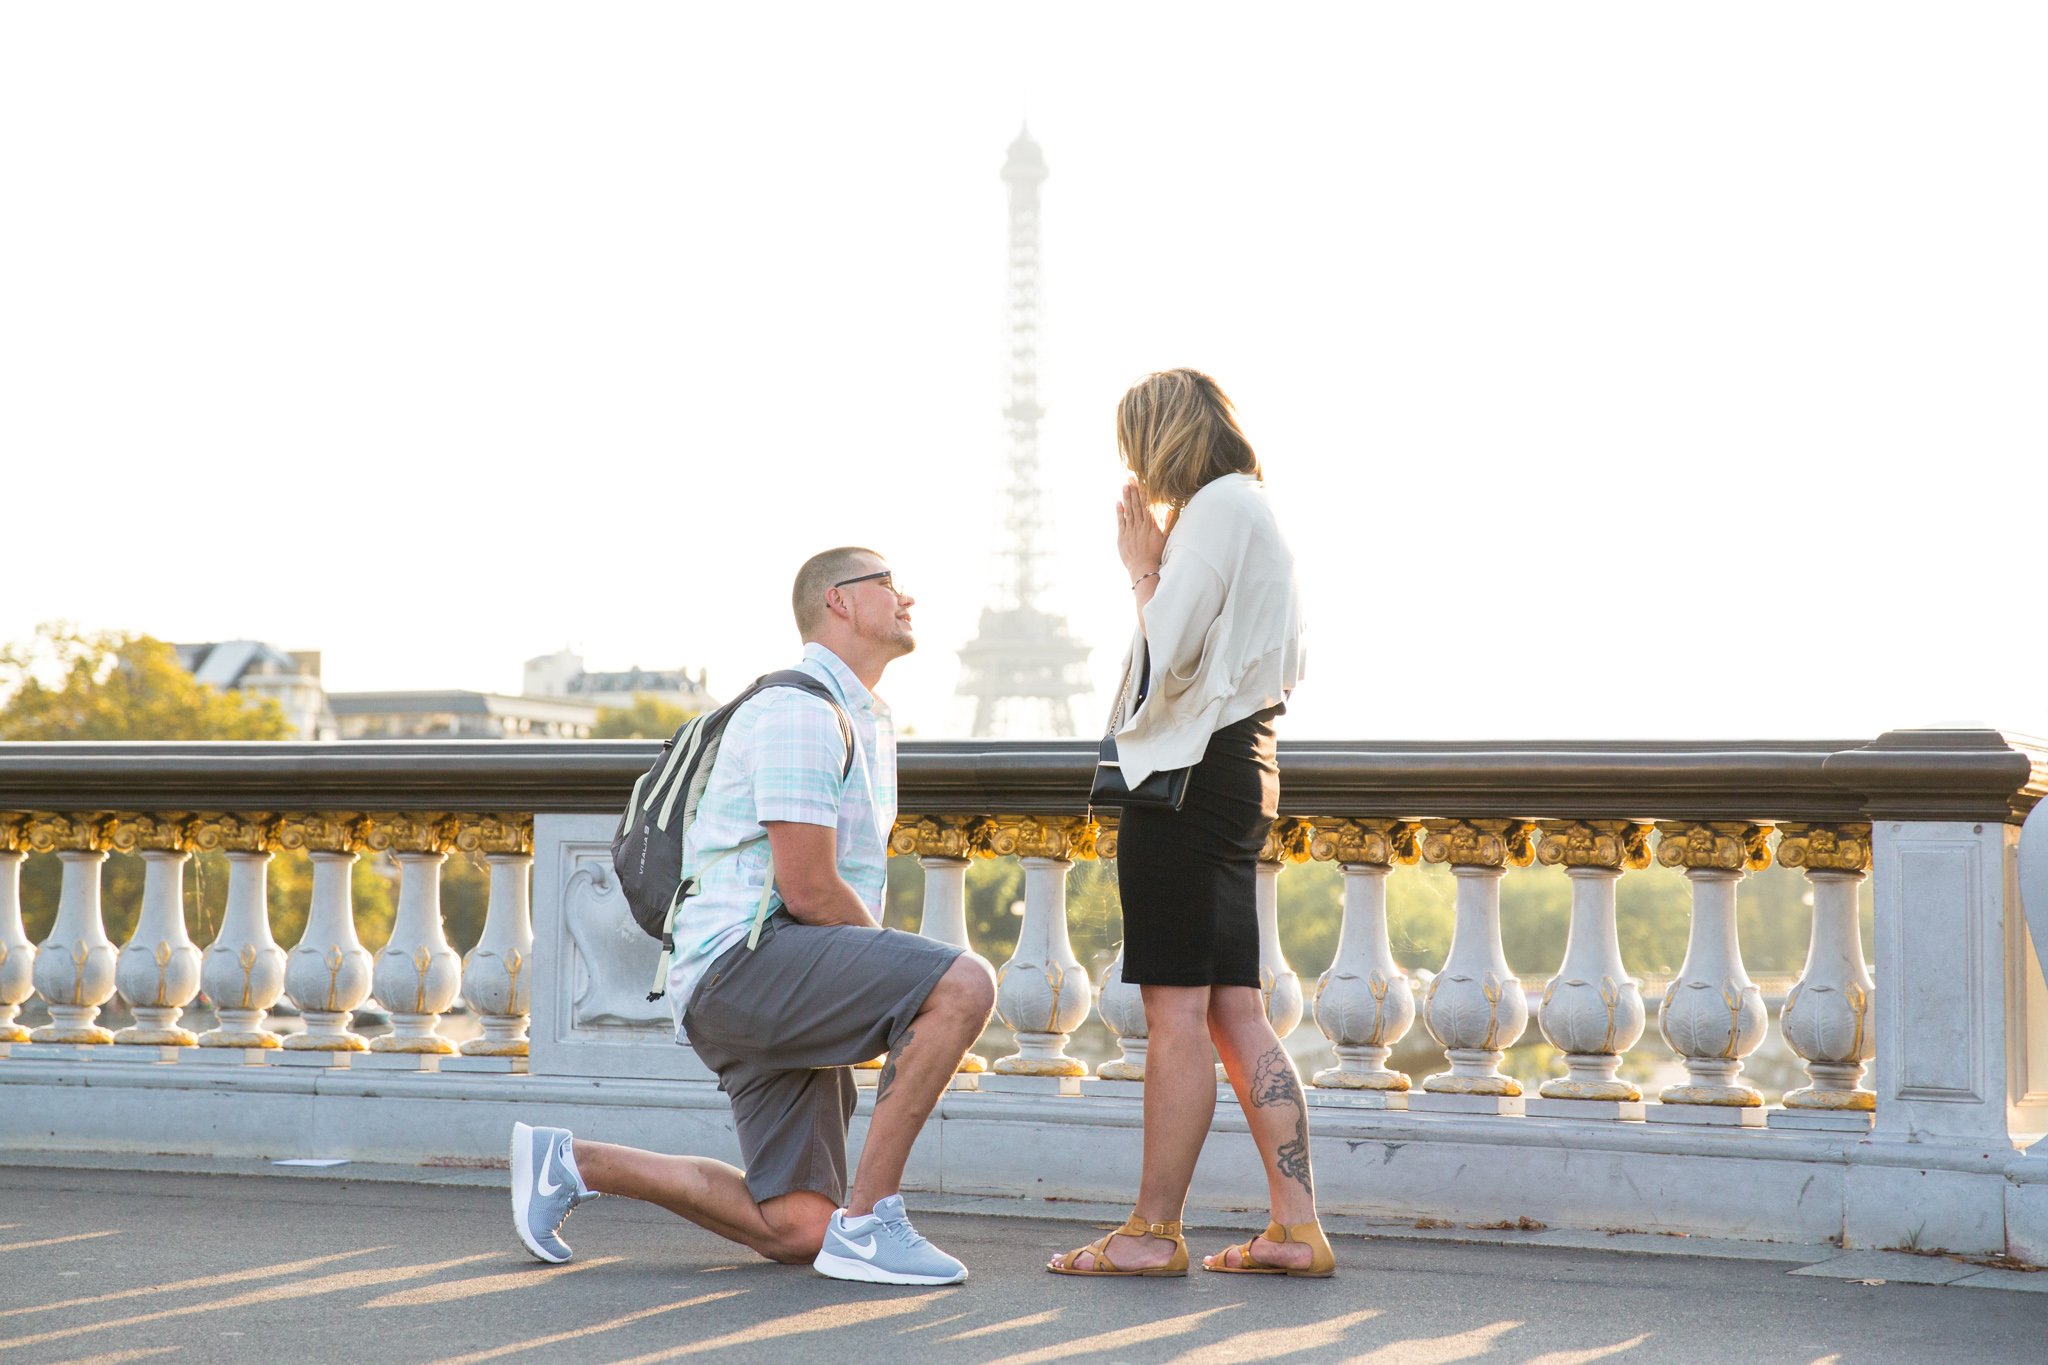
{"x":1134,"y":1226}
{"x":1321,"y":1265}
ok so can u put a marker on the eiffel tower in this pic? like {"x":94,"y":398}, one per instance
{"x":1023,"y":668}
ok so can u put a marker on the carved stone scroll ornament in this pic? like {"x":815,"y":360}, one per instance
{"x":412,"y":832}
{"x":612,"y":958}
{"x":1064,"y":837}
{"x":1713,"y":1014}
{"x":1364,"y":1003}
{"x":324,"y":832}
{"x":237,"y":833}
{"x":488,"y":834}
{"x":943,"y":836}
{"x":1380,"y":842}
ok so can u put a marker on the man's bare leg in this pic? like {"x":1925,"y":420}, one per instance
{"x":711,"y":1194}
{"x":920,"y":1066}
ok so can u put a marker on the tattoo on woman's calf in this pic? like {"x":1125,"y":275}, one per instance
{"x":1274,"y":1083}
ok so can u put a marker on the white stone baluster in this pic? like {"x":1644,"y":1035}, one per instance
{"x":1279,"y":984}
{"x":1713,"y":1015}
{"x":327,"y":974}
{"x":1828,"y":1016}
{"x":1119,"y":1003}
{"x":1042,"y":992}
{"x":158,"y":970}
{"x":1475,"y":1007}
{"x":17,"y":954}
{"x":497,"y":976}
{"x":243,"y":969}
{"x":944,"y":847}
{"x":1365,"y":1003}
{"x":1592,"y":1010}
{"x":1122,"y":1007}
{"x":418,"y":975}
{"x":74,"y":968}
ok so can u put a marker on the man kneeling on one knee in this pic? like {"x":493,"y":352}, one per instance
{"x":824,"y":987}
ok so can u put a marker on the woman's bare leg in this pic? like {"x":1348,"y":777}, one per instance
{"x":1274,"y":1108}
{"x":1180,"y":1101}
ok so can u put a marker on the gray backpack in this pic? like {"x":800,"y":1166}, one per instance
{"x":647,"y":852}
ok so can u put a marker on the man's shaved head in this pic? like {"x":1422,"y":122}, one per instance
{"x":817,"y":575}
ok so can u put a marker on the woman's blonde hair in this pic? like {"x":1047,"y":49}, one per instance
{"x":1177,"y":431}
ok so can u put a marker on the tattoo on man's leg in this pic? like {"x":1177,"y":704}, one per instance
{"x":888,"y":1076}
{"x":1274,"y":1083}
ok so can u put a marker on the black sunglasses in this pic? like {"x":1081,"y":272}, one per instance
{"x":887,"y":577}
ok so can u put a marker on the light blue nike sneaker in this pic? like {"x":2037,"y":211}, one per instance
{"x":883,"y":1248}
{"x":545,"y":1186}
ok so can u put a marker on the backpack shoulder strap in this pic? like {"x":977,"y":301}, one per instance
{"x":804,"y":682}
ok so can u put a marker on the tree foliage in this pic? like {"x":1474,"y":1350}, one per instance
{"x":647,"y":718}
{"x":68,"y":684}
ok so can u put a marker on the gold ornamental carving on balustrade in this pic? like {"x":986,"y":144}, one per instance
{"x":412,"y":832}
{"x":1065,"y":837}
{"x":1716,"y":845}
{"x":1825,"y":848}
{"x":1616,"y":844}
{"x":1479,"y":843}
{"x":1366,"y":842}
{"x":158,"y":832}
{"x":324,"y":832}
{"x":46,"y":832}
{"x":237,"y":832}
{"x":13,"y":825}
{"x":1289,"y":841}
{"x":943,"y":836}
{"x":505,"y":835}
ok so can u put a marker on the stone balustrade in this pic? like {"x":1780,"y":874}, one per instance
{"x":1954,"y":1020}
{"x":243,"y":972}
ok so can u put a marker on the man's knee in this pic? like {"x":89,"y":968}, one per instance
{"x":796,"y":1224}
{"x":967,"y":990}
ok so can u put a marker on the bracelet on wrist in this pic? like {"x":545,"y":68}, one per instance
{"x":1141,"y":578}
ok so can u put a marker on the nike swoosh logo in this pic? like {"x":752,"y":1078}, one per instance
{"x":866,"y":1253}
{"x":541,"y":1182}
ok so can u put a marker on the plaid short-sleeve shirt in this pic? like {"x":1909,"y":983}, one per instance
{"x":780,"y":760}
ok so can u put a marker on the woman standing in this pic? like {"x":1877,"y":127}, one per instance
{"x":1217,"y":649}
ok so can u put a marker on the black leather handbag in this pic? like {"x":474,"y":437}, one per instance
{"x":1161,"y":791}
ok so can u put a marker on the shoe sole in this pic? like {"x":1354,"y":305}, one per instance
{"x":845,"y":1268}
{"x":522,"y":1191}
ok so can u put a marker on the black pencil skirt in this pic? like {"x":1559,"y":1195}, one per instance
{"x":1188,"y":878}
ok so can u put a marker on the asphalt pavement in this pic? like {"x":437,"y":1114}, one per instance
{"x":114,"y":1266}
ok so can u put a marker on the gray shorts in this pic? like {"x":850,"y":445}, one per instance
{"x":782,"y":1022}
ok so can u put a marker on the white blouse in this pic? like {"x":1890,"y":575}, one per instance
{"x":1225,"y":627}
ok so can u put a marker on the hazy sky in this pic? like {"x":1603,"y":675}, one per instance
{"x":1617,"y":369}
